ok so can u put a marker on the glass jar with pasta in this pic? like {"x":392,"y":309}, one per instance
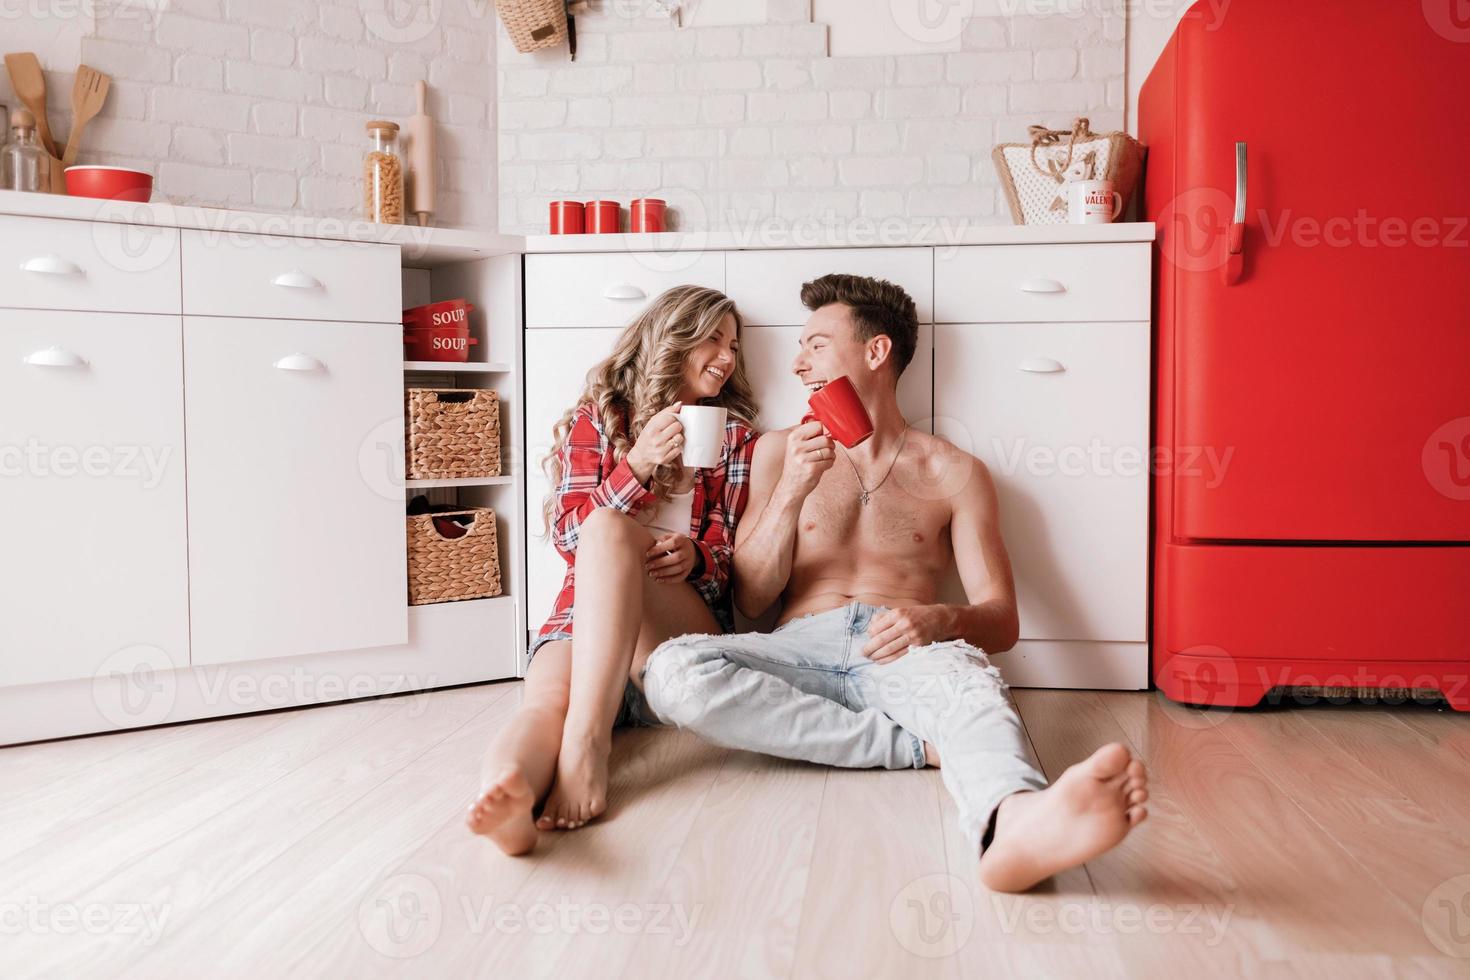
{"x":382,"y":175}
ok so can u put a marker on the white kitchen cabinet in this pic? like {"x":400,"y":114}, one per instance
{"x":766,"y":285}
{"x":91,"y":496}
{"x":557,"y":362}
{"x":201,"y":464}
{"x":306,"y":279}
{"x":609,"y":289}
{"x":88,"y":265}
{"x":296,"y":539}
{"x":1059,"y":413}
{"x":1041,"y":283}
{"x":1038,"y":364}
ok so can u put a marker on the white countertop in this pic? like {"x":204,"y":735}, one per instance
{"x":859,"y":233}
{"x":422,"y":247}
{"x":430,"y":247}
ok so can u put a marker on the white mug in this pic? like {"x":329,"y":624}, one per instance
{"x":1092,"y":202}
{"x":704,"y":434}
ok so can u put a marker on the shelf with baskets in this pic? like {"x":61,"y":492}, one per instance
{"x":448,"y":461}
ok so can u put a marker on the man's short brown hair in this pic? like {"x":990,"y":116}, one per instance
{"x":878,"y":307}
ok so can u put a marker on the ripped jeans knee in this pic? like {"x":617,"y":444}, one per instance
{"x":676,"y":677}
{"x":944,"y":678}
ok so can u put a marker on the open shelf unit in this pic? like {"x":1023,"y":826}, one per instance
{"x":492,"y":284}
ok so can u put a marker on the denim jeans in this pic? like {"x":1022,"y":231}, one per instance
{"x":807,"y":692}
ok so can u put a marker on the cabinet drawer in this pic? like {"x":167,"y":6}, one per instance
{"x":94,"y":580}
{"x":52,"y":264}
{"x":1041,"y":283}
{"x":767,"y":284}
{"x":1059,"y":414}
{"x":296,"y":530}
{"x":290,"y":278}
{"x":609,"y":290}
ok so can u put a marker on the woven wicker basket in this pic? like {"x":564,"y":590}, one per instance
{"x":452,"y":433}
{"x":1035,"y":175}
{"x":444,"y":569}
{"x":534,"y":24}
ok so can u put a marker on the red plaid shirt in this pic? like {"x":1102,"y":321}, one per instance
{"x":591,"y":477}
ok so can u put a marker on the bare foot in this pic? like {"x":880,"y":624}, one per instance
{"x":580,"y":790}
{"x":503,"y":812}
{"x":1087,"y":811}
{"x":931,"y":755}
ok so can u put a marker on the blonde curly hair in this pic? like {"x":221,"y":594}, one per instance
{"x":644,"y":375}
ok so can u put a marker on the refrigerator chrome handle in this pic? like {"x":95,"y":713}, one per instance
{"x":1240,"y":183}
{"x":1235,"y":243}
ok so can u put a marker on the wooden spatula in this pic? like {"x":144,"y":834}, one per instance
{"x":87,"y":96}
{"x":30,"y":86}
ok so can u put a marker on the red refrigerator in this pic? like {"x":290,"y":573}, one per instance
{"x":1309,"y":172}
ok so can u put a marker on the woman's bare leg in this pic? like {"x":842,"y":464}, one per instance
{"x":520,"y":762}
{"x":620,"y":613}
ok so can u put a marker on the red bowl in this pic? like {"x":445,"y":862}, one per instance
{"x":451,"y":343}
{"x":450,"y":312}
{"x":110,"y":183}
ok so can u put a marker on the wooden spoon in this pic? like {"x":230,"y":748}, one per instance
{"x":30,"y":86}
{"x":87,"y":96}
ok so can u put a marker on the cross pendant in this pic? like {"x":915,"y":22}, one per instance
{"x":865,"y":498}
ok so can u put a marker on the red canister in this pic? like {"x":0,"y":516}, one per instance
{"x":449,"y":343}
{"x":602,"y":217}
{"x":438,"y":331}
{"x":567,"y":217}
{"x":646,"y":214}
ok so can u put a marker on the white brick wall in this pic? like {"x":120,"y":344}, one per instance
{"x":739,"y":126}
{"x":261,"y":104}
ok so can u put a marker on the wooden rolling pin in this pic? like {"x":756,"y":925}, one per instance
{"x":422,"y":158}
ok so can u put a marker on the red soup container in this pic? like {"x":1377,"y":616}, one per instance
{"x":437,"y":344}
{"x":602,"y":217}
{"x":438,"y":332}
{"x":567,"y":217}
{"x":646,"y":214}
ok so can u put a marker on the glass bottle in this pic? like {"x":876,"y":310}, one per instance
{"x":24,"y":166}
{"x":382,"y":175}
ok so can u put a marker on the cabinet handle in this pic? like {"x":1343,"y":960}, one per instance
{"x":1235,"y":243}
{"x":299,"y":362}
{"x":51,"y":264}
{"x":1040,"y":284}
{"x":1042,"y":365}
{"x":623,"y":290}
{"x":58,"y":357}
{"x":296,"y":279}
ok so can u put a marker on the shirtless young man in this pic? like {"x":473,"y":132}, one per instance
{"x":864,"y":665}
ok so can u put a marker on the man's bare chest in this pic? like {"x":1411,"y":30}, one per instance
{"x":892,"y":521}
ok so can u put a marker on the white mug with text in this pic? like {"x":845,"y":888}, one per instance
{"x":1092,"y":202}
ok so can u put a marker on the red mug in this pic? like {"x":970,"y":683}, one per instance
{"x":839,"y":409}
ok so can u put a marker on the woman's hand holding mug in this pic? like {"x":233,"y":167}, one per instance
{"x":660,"y":442}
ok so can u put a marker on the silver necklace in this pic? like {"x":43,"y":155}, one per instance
{"x":867,"y":492}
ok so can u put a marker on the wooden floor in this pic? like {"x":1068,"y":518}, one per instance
{"x":1325,"y":841}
